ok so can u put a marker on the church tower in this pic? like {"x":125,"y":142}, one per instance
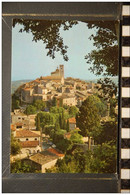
{"x":61,"y":69}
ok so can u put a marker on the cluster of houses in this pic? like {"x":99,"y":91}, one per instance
{"x":24,"y":131}
{"x":69,"y":91}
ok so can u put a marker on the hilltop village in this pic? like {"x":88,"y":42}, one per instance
{"x":34,"y":132}
{"x":67,"y":91}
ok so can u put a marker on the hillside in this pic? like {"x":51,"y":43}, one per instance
{"x":16,"y":84}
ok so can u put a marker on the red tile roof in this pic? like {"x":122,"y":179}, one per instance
{"x":26,"y":133}
{"x":18,"y":124}
{"x":54,"y":151}
{"x":72,"y":120}
{"x":28,"y":144}
{"x":37,"y":81}
{"x":13,"y":127}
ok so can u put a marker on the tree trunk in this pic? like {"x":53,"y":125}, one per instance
{"x":89,"y":143}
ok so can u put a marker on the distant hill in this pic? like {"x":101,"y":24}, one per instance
{"x":114,"y":79}
{"x":16,"y":84}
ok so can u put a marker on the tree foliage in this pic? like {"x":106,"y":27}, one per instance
{"x":76,"y":138}
{"x":15,"y":102}
{"x":40,"y":105}
{"x":108,"y":89}
{"x":38,"y":127}
{"x":88,"y":119}
{"x":104,"y":58}
{"x":45,"y":119}
{"x":73,"y":110}
{"x":67,"y":126}
{"x":54,"y":101}
{"x":48,"y":32}
{"x":103,"y":158}
{"x":22,"y":167}
{"x":30,"y":109}
{"x":107,"y":132}
{"x":15,"y":146}
{"x":113,"y":104}
{"x":56,"y":110}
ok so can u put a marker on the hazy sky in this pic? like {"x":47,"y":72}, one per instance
{"x":29,"y":60}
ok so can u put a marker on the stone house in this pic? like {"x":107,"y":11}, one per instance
{"x":46,"y":159}
{"x":72,"y":123}
{"x":69,"y":100}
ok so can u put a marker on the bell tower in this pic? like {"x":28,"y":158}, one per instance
{"x":61,"y":69}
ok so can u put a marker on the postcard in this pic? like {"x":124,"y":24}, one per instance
{"x":64,"y":96}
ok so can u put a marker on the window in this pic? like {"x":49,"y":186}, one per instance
{"x":19,"y":127}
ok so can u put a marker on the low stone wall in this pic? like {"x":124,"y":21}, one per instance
{"x":48,"y":165}
{"x":18,"y":157}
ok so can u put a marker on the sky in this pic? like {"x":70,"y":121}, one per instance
{"x":29,"y":59}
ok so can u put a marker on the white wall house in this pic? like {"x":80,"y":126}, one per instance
{"x":29,"y":141}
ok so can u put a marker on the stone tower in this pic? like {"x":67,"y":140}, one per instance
{"x":61,"y":71}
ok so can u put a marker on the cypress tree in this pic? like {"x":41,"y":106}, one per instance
{"x":67,"y":126}
{"x":60,"y":121}
{"x":61,"y":103}
{"x":57,"y":126}
{"x":54,"y":102}
{"x":64,"y":125}
{"x":38,"y":123}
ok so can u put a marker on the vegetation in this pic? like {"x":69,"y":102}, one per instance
{"x":113,"y":104}
{"x":39,"y":105}
{"x":107,"y":132}
{"x":73,"y":110}
{"x":103,"y":158}
{"x":67,"y":126}
{"x":15,"y":102}
{"x":30,"y":109}
{"x":54,"y":101}
{"x":45,"y":118}
{"x":38,"y":127}
{"x":48,"y":32}
{"x":15,"y":146}
{"x":22,"y":167}
{"x":56,"y":110}
{"x":88,"y":119}
{"x":76,"y":138}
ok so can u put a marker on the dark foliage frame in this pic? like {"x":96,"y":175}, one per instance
{"x":37,"y":183}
